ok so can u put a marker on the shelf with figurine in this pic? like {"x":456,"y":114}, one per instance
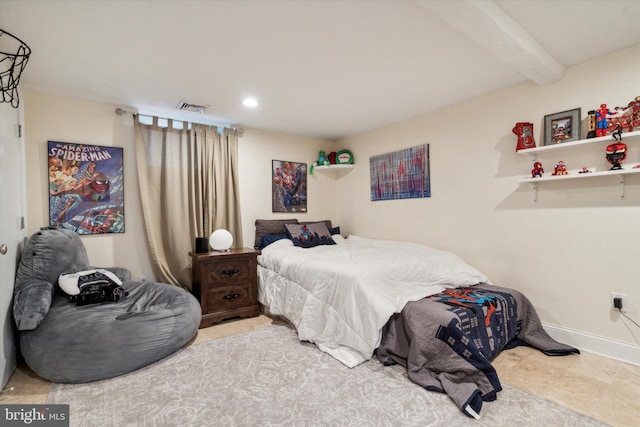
{"x":581,"y":142}
{"x":341,"y":160}
{"x":334,"y":167}
{"x":585,"y":172}
{"x":615,"y":155}
{"x":562,"y":130}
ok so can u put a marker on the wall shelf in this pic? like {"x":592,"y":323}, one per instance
{"x":580,"y":143}
{"x":574,"y":174}
{"x":334,"y":171}
{"x":333,"y":167}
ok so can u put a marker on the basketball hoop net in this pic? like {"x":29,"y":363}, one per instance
{"x":14,"y":54}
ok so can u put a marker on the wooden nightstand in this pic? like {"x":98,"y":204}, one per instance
{"x":226,"y":284}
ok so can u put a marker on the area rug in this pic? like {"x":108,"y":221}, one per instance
{"x":266,"y":377}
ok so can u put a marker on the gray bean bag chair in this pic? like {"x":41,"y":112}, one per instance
{"x":68,"y":343}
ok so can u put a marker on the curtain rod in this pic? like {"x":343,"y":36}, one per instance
{"x":121,"y":112}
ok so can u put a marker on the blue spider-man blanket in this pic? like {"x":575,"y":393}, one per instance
{"x":447,"y":341}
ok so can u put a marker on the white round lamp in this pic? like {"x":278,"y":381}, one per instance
{"x":221,"y":240}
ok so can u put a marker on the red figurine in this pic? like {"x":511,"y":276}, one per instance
{"x":585,"y":170}
{"x":635,"y":113}
{"x":603,"y":120}
{"x":537,"y":170}
{"x":524,"y":132}
{"x":560,"y":169}
{"x":616,"y":153}
{"x":626,"y":118}
{"x":332,"y":157}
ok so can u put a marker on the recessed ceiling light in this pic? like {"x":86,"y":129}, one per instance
{"x":250,"y":102}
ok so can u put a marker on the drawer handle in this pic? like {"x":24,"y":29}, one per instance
{"x":231,"y":296}
{"x":230,"y":273}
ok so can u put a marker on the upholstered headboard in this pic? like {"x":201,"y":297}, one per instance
{"x":276,"y":226}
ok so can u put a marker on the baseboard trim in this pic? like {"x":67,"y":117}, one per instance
{"x":601,"y":346}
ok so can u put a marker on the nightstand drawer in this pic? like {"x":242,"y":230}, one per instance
{"x":229,"y":297}
{"x":221,"y":273}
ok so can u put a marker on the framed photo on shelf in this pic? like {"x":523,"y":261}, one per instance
{"x":562,"y":127}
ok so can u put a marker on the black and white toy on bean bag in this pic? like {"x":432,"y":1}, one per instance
{"x":92,"y":286}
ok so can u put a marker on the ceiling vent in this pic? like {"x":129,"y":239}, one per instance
{"x":194,"y":108}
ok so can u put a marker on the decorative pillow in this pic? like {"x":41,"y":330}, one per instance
{"x":334,"y":230}
{"x":268,"y":239}
{"x":309,"y":235}
{"x":338,"y":239}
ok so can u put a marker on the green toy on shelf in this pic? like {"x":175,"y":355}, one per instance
{"x":323,"y":160}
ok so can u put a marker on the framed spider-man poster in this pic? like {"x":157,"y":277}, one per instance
{"x":288,"y":186}
{"x":86,"y":187}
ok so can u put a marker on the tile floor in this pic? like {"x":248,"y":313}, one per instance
{"x":602,"y":388}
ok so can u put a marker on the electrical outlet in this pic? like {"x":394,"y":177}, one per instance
{"x":617,"y":295}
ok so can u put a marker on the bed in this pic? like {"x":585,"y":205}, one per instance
{"x":405,"y":303}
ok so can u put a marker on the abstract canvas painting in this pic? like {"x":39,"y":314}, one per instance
{"x":402,"y":174}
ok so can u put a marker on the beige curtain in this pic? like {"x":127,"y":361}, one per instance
{"x":189,"y":188}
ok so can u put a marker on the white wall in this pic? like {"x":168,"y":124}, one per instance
{"x":56,"y":118}
{"x":568,"y":251}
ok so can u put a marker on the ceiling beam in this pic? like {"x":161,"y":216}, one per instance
{"x":490,"y":27}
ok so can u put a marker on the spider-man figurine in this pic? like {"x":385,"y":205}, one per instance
{"x":537,"y":170}
{"x":602,"y":123}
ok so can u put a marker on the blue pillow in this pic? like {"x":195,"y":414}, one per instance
{"x":334,"y":230}
{"x":309,"y":235}
{"x":268,"y":239}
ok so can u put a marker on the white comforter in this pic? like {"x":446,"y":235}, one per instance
{"x":340,"y":296}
